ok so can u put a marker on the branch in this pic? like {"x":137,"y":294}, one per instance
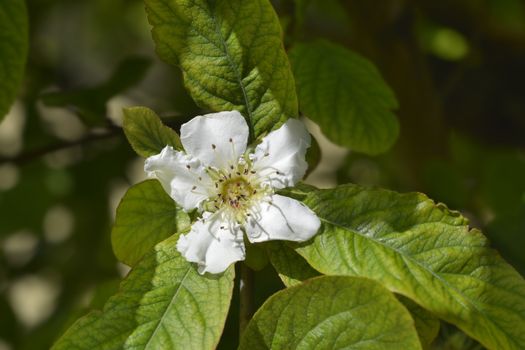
{"x":31,"y":155}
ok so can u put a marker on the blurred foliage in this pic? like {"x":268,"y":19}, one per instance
{"x":457,"y":69}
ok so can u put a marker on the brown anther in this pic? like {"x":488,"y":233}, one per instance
{"x":188,"y":166}
{"x":231,"y":167}
{"x":254,"y":191}
{"x":216,"y":185}
{"x":194,"y":188}
{"x":253,"y":171}
{"x":245,"y":171}
{"x":222,"y":227}
{"x":231,"y":140}
{"x":238,"y":173}
{"x":213,"y":146}
{"x":200,"y":178}
{"x":266,"y":154}
{"x":248,"y":214}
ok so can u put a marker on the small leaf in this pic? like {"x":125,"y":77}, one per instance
{"x":162,"y":304}
{"x":291,"y":267}
{"x":90,"y":103}
{"x":146,"y":133}
{"x":14,"y":37}
{"x":423,"y":251}
{"x":345,"y":94}
{"x":231,"y":55}
{"x":331,"y":313}
{"x":427,"y":325}
{"x":146,"y":216}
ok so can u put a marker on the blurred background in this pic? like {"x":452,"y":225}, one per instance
{"x":457,"y":68}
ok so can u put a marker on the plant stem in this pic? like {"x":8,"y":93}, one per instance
{"x":246,"y":298}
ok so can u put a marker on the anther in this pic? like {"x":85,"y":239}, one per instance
{"x":245,"y":171}
{"x":231,"y":167}
{"x":188,"y":166}
{"x":200,"y":178}
{"x":213,"y":146}
{"x":216,"y":185}
{"x":194,"y":188}
{"x":266,"y":154}
{"x":238,"y":173}
{"x":231,"y":140}
{"x":253,"y":171}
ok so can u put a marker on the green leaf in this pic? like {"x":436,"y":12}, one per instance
{"x":231,"y":55}
{"x":14,"y":37}
{"x":146,"y":216}
{"x":331,"y":313}
{"x":291,"y":267}
{"x":345,"y":94}
{"x":162,"y":304}
{"x":90,"y":103}
{"x":423,"y":251}
{"x":146,"y":133}
{"x":427,"y":325}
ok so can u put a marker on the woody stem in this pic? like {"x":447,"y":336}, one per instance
{"x":246,"y":297}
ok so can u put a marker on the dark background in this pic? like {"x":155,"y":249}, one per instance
{"x":457,"y":68}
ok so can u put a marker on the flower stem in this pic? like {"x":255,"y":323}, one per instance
{"x":246,"y":297}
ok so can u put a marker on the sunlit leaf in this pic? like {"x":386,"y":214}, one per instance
{"x":423,"y":251}
{"x":332,"y":313}
{"x":146,"y":133}
{"x":345,"y":94}
{"x":13,"y":50}
{"x":146,"y":216}
{"x":162,"y":304}
{"x":231,"y":55}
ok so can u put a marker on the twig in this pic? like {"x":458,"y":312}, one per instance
{"x":246,"y":298}
{"x":31,"y":155}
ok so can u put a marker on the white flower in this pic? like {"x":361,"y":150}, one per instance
{"x":235,"y":190}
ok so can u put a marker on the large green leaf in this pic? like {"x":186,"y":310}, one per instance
{"x":345,"y":94}
{"x":146,"y":133}
{"x":423,"y":251}
{"x":231,"y":55}
{"x":13,"y":50}
{"x":332,"y":313}
{"x":162,"y":304}
{"x":146,"y":216}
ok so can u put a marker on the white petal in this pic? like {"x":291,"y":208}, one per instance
{"x":183,"y":177}
{"x":213,"y":248}
{"x":216,"y":139}
{"x":280,"y":158}
{"x":281,"y":218}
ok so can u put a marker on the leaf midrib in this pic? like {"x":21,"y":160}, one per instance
{"x":235,"y":70}
{"x":181,"y":284}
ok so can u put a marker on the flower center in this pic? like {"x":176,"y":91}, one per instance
{"x":236,"y":191}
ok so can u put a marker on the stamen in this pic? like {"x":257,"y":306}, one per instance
{"x":188,"y":166}
{"x":194,"y":188}
{"x":213,"y":146}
